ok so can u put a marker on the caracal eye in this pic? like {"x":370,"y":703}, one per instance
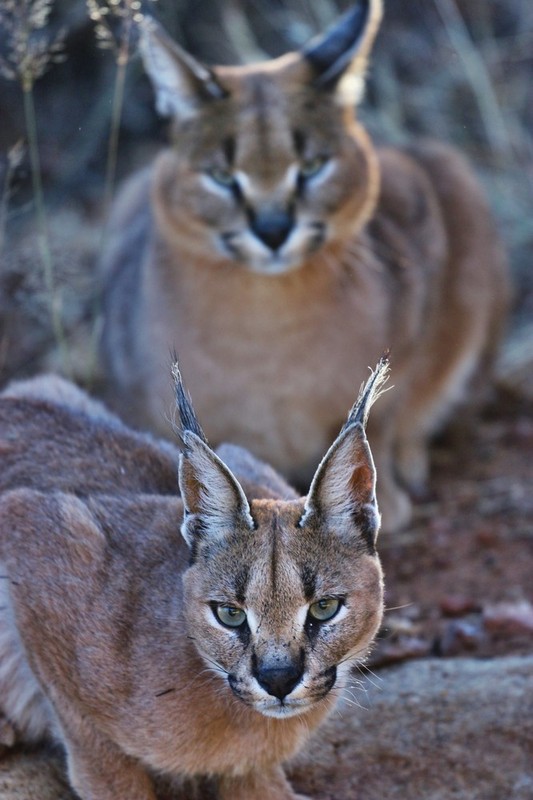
{"x":312,"y":166}
{"x":222,"y":176}
{"x":324,"y":609}
{"x":231,"y":616}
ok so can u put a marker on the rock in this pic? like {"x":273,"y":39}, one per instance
{"x":456,"y":605}
{"x":435,"y":729}
{"x":400,"y":639}
{"x":400,"y":649}
{"x":462,"y":636}
{"x":458,"y":729}
{"x":509,"y":618}
{"x":514,"y":370}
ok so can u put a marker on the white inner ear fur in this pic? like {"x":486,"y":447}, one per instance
{"x":351,"y":89}
{"x":221,"y":497}
{"x":331,"y":488}
{"x":335,"y":493}
{"x":174,"y":96}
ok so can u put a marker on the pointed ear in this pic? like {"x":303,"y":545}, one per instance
{"x":339,"y":57}
{"x":214,"y":502}
{"x":181,"y":83}
{"x":343,"y":491}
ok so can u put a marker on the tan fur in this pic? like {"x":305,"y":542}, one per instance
{"x":273,"y":341}
{"x":54,"y":436}
{"x":109,"y":635}
{"x":47,"y":420}
{"x":59,"y":391}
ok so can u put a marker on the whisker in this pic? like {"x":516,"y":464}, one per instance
{"x":366,"y":672}
{"x":397,"y":608}
{"x":353,"y":655}
{"x":347,"y":697}
{"x":212,"y":661}
{"x":354,"y":703}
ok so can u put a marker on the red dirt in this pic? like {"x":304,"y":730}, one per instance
{"x":460,"y":580}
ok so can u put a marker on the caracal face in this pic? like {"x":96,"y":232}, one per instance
{"x":268,"y":164}
{"x":281,"y":612}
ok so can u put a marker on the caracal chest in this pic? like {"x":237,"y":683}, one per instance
{"x":272,"y":361}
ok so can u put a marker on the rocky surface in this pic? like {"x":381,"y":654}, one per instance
{"x":458,"y":729}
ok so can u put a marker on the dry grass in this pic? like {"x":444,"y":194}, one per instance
{"x":29,"y":53}
{"x":29,"y":50}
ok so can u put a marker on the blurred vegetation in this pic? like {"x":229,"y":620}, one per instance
{"x":460,"y":70}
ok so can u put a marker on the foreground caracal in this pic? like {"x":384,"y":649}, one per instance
{"x":207,"y":655}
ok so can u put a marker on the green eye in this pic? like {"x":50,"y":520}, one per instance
{"x":221,"y":176}
{"x":324,"y":609}
{"x":231,"y":616}
{"x":312,"y":166}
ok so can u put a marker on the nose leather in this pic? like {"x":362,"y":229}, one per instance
{"x":279,"y":681}
{"x":272,"y":227}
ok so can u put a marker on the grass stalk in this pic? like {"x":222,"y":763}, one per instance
{"x":122,"y":61}
{"x":3,"y":207}
{"x":42,"y":225}
{"x":114,"y":132}
{"x":4,"y":199}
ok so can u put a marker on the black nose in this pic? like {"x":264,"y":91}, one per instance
{"x":279,"y":681}
{"x":272,"y":227}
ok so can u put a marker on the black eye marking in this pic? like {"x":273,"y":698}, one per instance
{"x":229,"y":147}
{"x":330,"y":676}
{"x":318,"y":235}
{"x":241,"y":584}
{"x":308,"y":578}
{"x":299,"y":142}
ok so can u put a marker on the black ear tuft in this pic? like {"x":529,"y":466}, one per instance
{"x":187,"y":415}
{"x":331,"y":53}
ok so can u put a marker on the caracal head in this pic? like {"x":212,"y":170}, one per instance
{"x":268,"y":166}
{"x":283,"y":596}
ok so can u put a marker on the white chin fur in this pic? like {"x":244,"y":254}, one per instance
{"x":283,"y":711}
{"x":250,"y":253}
{"x":274,"y":266}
